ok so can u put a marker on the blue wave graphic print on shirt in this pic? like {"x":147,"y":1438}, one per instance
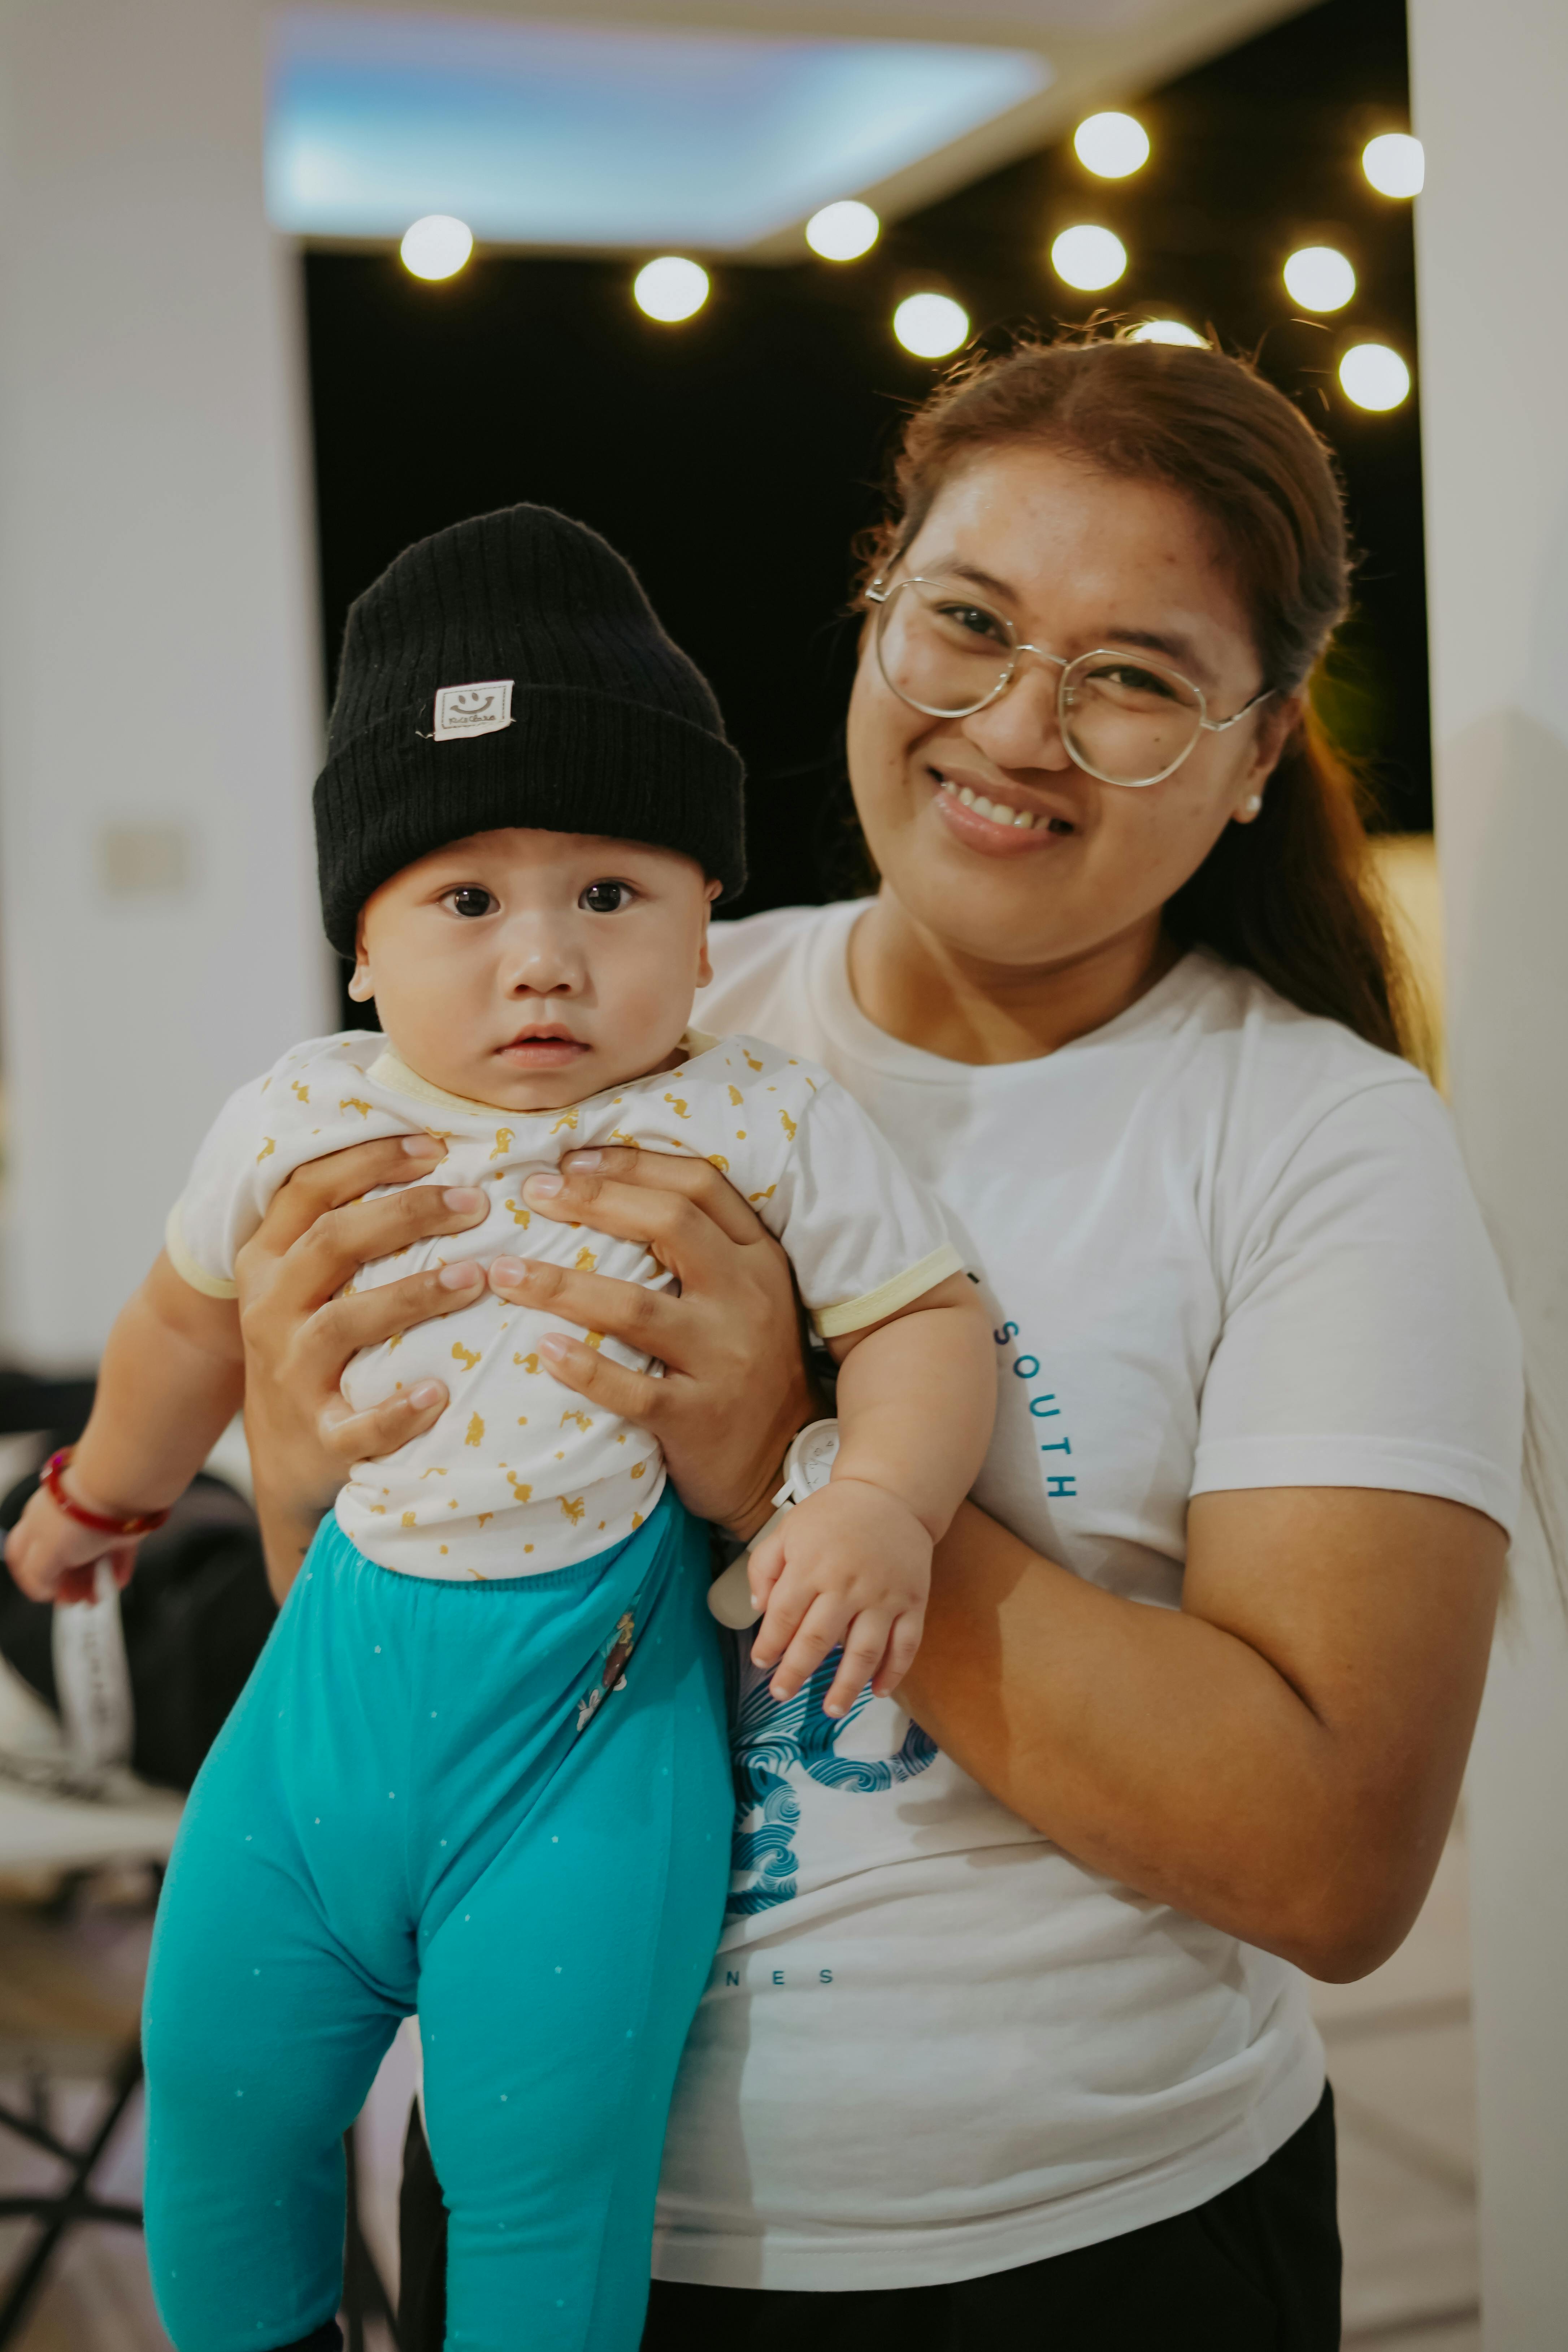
{"x":771,"y":1739}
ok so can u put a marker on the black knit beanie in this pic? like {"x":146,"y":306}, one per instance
{"x":511,"y":671}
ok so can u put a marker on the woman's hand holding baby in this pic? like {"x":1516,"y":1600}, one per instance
{"x":850,"y":1566}
{"x":299,"y":1332}
{"x":735,"y":1389}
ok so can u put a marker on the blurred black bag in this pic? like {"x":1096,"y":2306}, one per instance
{"x":169,"y":1662}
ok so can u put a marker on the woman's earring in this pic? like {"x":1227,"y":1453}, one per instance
{"x":1253,"y":805}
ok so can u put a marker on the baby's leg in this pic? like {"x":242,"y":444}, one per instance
{"x":268,"y":2007}
{"x":556,"y":1993}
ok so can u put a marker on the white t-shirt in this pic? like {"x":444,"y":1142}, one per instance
{"x":518,"y":1476}
{"x":1223,"y":1245}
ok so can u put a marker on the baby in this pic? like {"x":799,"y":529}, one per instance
{"x":480,"y":1769}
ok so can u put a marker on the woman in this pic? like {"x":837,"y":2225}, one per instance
{"x":1008,"y":2031}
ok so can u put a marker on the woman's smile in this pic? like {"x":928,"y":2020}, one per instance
{"x":999,"y":820}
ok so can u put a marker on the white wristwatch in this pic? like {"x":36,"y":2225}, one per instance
{"x":807,"y":1466}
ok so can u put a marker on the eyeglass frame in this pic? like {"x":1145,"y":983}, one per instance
{"x":881,"y":596}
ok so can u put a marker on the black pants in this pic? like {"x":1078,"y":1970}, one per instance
{"x":1255,"y":2269}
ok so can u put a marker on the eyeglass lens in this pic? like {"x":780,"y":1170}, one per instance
{"x":1125,"y":719}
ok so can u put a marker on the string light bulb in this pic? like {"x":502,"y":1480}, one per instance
{"x":1168,"y":331}
{"x":1373,"y":376}
{"x":931,"y":325}
{"x":1319,"y":278}
{"x":1089,"y":257}
{"x":1112,"y":146}
{"x":843,"y":232}
{"x":1395,"y":164}
{"x":670,"y":288}
{"x":435,"y":247}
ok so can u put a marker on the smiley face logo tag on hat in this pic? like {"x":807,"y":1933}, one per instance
{"x":481,"y":710}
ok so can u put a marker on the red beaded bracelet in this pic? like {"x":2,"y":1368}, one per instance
{"x":142,"y":1524}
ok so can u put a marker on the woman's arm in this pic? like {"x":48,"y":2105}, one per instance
{"x":1281,"y":1756}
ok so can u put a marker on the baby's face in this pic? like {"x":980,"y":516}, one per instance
{"x":528,"y":970}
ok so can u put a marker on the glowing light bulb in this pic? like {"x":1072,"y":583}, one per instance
{"x":436,"y":246}
{"x":931,"y":325}
{"x":1168,"y":331}
{"x":1089,"y":257}
{"x":670,"y":288}
{"x":843,"y":232}
{"x":1111,"y":146}
{"x":1395,"y":164}
{"x":1320,"y":278}
{"x":1373,"y":376}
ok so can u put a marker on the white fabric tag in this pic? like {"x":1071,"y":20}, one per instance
{"x":481,"y":710}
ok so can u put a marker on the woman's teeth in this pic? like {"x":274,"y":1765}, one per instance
{"x":997,"y":812}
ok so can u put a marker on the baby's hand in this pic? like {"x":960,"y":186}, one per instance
{"x":852,"y":1565}
{"x":53,"y":1557}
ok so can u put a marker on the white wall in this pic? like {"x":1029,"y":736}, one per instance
{"x":1489,"y":89}
{"x":159,"y":693}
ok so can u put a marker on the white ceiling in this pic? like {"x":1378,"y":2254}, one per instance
{"x":1095,"y":52}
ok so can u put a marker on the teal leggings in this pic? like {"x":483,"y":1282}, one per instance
{"x":419,"y":1802}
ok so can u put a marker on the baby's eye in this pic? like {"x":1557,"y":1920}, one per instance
{"x":605,"y":897}
{"x":470,"y":901}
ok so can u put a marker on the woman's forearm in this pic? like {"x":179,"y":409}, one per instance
{"x":1168,"y":1753}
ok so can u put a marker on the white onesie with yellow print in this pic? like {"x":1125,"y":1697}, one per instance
{"x":519,"y":1476}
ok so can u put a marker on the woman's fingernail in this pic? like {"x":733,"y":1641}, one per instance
{"x":542,"y":1188}
{"x":423,"y":1147}
{"x":586,"y":1160}
{"x":508,"y":1269}
{"x":831,"y":1706}
{"x":460,"y":1277}
{"x":463,"y":1196}
{"x":427,"y":1394}
{"x":555,"y":1345}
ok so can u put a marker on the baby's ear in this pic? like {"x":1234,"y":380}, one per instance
{"x":704,"y":961}
{"x":362,"y":988}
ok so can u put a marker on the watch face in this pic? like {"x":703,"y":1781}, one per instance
{"x":816,"y":1451}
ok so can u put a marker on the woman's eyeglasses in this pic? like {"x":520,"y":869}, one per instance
{"x":1124,"y":717}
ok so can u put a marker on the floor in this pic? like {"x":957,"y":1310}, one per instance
{"x":1399,"y":2053}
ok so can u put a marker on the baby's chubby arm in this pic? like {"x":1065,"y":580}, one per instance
{"x":917,"y":1397}
{"x":172,"y":1380}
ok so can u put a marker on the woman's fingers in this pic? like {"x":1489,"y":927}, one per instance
{"x":676,"y":1220}
{"x":596,"y":1302}
{"x":342,"y":1176}
{"x":578,"y":1365}
{"x":344,"y":1326}
{"x":367,"y":1436}
{"x":341,"y":1239}
{"x":697,"y":1180}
